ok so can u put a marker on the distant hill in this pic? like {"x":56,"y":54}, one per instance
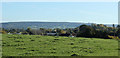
{"x":25,"y":25}
{"x":20,"y":25}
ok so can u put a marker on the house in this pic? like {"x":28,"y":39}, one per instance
{"x":51,"y":34}
{"x":10,"y":33}
{"x":19,"y":33}
{"x":73,"y":35}
{"x":15,"y":33}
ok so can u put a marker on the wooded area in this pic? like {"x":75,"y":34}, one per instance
{"x":92,"y":31}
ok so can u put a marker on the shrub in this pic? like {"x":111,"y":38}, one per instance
{"x":113,"y":37}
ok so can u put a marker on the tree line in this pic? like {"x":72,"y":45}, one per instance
{"x":91,"y":31}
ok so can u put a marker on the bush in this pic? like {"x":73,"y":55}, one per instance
{"x":113,"y":37}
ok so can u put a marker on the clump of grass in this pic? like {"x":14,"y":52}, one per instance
{"x":32,"y":40}
{"x":71,"y":43}
{"x":74,"y":55}
{"x":21,"y":48}
{"x":37,"y":36}
{"x":56,"y":39}
{"x":53,"y":41}
{"x":53,"y":52}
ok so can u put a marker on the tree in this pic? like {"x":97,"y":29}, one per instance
{"x":86,"y":31}
{"x":29,"y":30}
{"x":43,"y":31}
{"x":114,"y":29}
{"x":36,"y":32}
{"x":113,"y":25}
{"x":58,"y":30}
{"x":101,"y":34}
{"x":13,"y":30}
{"x":76,"y":30}
{"x":118,"y":26}
{"x":63,"y":32}
{"x":118,"y":32}
{"x":3,"y":32}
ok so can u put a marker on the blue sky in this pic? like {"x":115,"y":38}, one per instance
{"x":87,"y":12}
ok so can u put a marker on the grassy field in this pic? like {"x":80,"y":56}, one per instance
{"x":36,"y":45}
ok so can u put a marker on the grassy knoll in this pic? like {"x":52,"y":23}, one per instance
{"x":36,"y":45}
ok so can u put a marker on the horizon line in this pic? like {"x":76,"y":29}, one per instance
{"x":59,"y":21}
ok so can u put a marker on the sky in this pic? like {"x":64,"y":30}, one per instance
{"x":60,"y":0}
{"x":86,"y":12}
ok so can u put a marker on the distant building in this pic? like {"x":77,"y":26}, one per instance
{"x":51,"y":34}
{"x":15,"y":33}
{"x":73,"y":35}
{"x":10,"y":33}
{"x":19,"y":33}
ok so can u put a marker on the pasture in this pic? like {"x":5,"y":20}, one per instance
{"x":36,"y":45}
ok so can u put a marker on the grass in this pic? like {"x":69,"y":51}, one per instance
{"x":36,"y":45}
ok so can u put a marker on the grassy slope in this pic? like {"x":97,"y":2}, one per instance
{"x":36,"y":45}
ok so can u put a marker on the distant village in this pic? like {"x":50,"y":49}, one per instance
{"x":48,"y":34}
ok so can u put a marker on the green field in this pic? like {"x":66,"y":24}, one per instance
{"x":36,"y":45}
